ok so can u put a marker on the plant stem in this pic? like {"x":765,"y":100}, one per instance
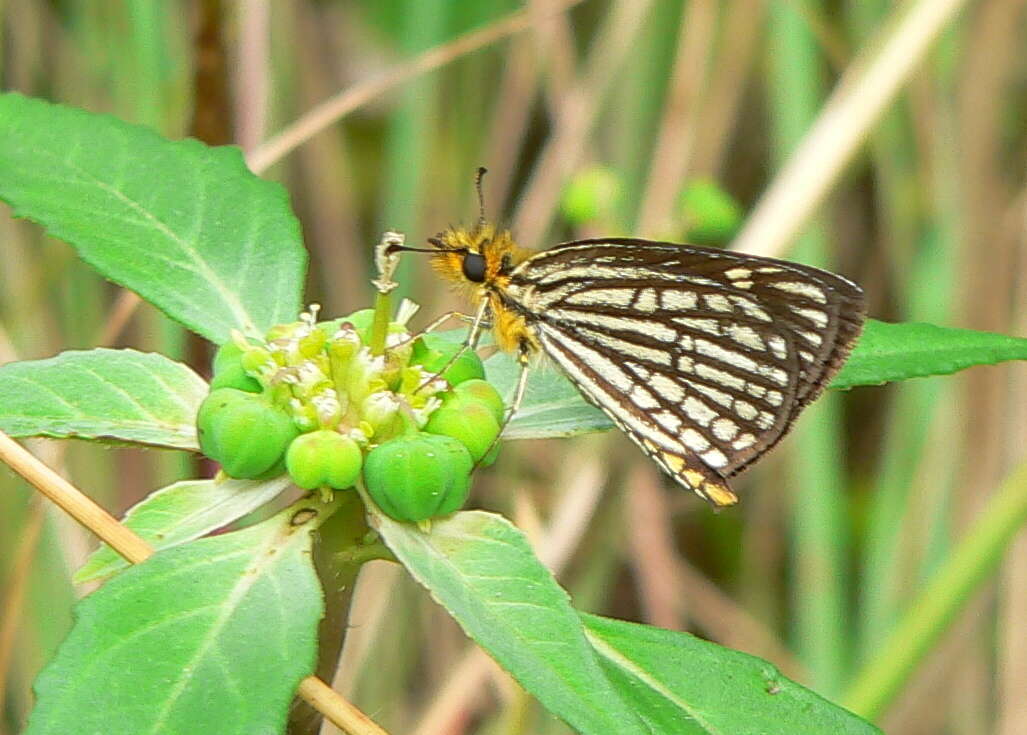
{"x":929,"y":615}
{"x":380,"y":325}
{"x":338,"y":563}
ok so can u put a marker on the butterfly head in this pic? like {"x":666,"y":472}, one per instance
{"x":472,"y":257}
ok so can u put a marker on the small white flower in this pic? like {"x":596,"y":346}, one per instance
{"x":406,"y":311}
{"x":422,"y":414}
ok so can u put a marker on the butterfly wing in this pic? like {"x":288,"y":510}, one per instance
{"x":703,"y":357}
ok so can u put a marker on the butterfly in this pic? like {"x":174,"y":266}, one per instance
{"x":703,"y":357}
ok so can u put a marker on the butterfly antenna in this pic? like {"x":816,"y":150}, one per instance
{"x":481,"y":197}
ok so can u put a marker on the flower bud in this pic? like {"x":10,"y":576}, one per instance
{"x":379,"y":411}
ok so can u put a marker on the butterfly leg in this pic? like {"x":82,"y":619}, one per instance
{"x":523,"y":358}
{"x":478,"y":325}
{"x":468,"y":318}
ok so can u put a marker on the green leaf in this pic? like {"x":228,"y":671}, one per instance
{"x":887,"y":352}
{"x":648,"y":680}
{"x":212,"y":636}
{"x":182,"y":512}
{"x":684,"y":684}
{"x":185,"y":226}
{"x":102,"y":394}
{"x":482,"y":570}
{"x":552,"y":406}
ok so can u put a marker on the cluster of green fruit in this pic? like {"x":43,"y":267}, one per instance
{"x":312,"y":400}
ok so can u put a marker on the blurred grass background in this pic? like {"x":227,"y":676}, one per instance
{"x":681,"y":111}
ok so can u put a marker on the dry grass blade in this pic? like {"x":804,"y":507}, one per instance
{"x":856,"y":104}
{"x":333,"y":109}
{"x":17,"y":583}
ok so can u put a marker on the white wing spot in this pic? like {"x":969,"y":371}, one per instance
{"x":724,"y":429}
{"x":765,"y":420}
{"x":818,"y":317}
{"x":638,"y":370}
{"x":646,"y":327}
{"x":667,"y":388}
{"x":698,"y":411}
{"x":746,"y":410}
{"x":776,"y":374}
{"x":709,"y":372}
{"x":778,"y":346}
{"x":750,"y":308}
{"x":629,"y":349}
{"x":800,"y":288}
{"x":717,"y":302}
{"x":774,"y":397}
{"x":714,"y":458}
{"x":643,"y":398}
{"x":743,"y":442}
{"x":674,"y":300}
{"x":646,"y":301}
{"x":737,"y":273}
{"x":694,"y":440}
{"x":717,"y":396}
{"x":745,"y":336}
{"x":668,"y":421}
{"x":732,"y":358}
{"x":602,"y":297}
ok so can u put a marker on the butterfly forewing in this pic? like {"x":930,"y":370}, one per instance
{"x":703,"y":357}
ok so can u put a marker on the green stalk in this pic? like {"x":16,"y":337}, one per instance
{"x":820,"y":538}
{"x":339,"y":554}
{"x":380,"y":325}
{"x":975,"y":558}
{"x":924,"y":263}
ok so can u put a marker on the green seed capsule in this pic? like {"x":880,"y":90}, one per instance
{"x":482,"y":392}
{"x":243,"y":432}
{"x":419,"y":476}
{"x":468,"y":421}
{"x":323,"y":458}
{"x":433,"y":353}
{"x":229,"y":371}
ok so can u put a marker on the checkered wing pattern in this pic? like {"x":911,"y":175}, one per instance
{"x":703,"y":357}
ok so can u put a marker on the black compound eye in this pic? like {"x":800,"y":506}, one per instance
{"x":474,"y":267}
